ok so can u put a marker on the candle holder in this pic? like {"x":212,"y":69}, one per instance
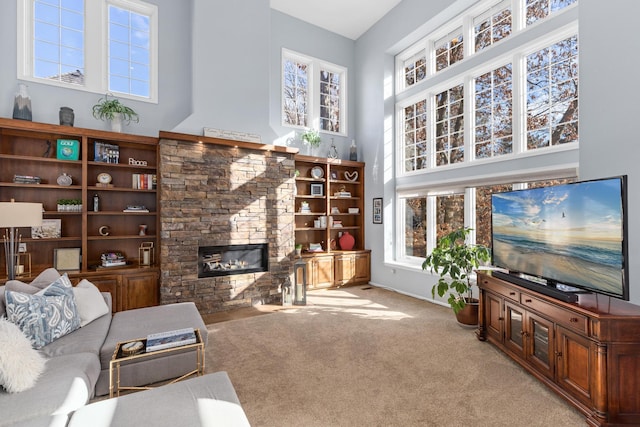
{"x":146,"y":254}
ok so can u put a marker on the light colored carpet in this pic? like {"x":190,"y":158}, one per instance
{"x":372,"y":357}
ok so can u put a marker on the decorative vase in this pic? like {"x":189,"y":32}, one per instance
{"x":353,"y":151}
{"x":347,"y":241}
{"x":66,"y":116}
{"x":22,"y":104}
{"x":116,"y":123}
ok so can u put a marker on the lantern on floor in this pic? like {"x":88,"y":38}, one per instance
{"x":287,"y":295}
{"x":300,"y":282}
{"x":145,"y":254}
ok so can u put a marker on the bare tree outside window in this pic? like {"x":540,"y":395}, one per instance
{"x":450,"y":214}
{"x":539,"y":9}
{"x":295,"y":93}
{"x":493,"y":27}
{"x":415,"y":69}
{"x":415,"y":221}
{"x":552,"y":95}
{"x":415,"y":136}
{"x":450,"y":126}
{"x":330,"y":101}
{"x":449,"y":50}
{"x":494,"y":113}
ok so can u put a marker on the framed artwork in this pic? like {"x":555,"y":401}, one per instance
{"x":377,"y":210}
{"x":66,"y":259}
{"x":334,"y":175}
{"x":50,"y":229}
{"x":316,"y":189}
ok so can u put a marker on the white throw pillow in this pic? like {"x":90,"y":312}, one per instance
{"x":20,"y":364}
{"x":90,"y":302}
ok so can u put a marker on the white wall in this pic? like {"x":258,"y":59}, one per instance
{"x":609,"y":93}
{"x":174,"y":98}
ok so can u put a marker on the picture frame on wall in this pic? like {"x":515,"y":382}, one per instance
{"x":377,"y":210}
{"x":65,"y":259}
{"x":316,"y":190}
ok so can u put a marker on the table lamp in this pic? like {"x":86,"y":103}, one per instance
{"x":13,"y":215}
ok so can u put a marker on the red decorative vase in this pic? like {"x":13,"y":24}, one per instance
{"x":347,"y":241}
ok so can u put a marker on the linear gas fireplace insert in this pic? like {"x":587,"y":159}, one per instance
{"x":227,"y":260}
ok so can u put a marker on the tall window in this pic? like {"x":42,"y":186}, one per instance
{"x":415,"y":136}
{"x":552,"y":95}
{"x":119,"y":54}
{"x":313,"y":93}
{"x":449,"y":50}
{"x":295,"y":95}
{"x":494,"y":113}
{"x":415,"y":229}
{"x":415,"y":69}
{"x":58,"y":41}
{"x":449,"y":214}
{"x":450,"y":126}
{"x":129,"y":52}
{"x":493,"y":26}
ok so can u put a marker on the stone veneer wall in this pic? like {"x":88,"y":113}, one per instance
{"x":217,"y":194}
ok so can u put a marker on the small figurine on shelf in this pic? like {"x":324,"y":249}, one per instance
{"x":353,"y":151}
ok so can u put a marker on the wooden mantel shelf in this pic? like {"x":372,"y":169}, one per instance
{"x":226,"y":142}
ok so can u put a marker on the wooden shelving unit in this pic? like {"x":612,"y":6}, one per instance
{"x":28,"y":148}
{"x":332,"y":266}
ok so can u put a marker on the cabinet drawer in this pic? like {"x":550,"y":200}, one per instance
{"x":566,"y":318}
{"x":501,"y":289}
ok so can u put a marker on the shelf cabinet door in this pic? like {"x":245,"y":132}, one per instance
{"x":111,"y":284}
{"x":514,"y":328}
{"x":140,"y":290}
{"x":321,"y":272}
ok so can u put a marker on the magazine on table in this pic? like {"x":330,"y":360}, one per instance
{"x":170,"y":339}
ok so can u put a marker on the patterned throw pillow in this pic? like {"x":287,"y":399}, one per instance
{"x":47,"y":315}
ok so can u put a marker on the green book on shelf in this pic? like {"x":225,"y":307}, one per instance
{"x":68,"y":149}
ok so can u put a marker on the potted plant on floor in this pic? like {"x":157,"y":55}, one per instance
{"x":115,"y":112}
{"x":455,"y":260}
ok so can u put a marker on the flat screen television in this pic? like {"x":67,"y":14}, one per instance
{"x":572,"y":234}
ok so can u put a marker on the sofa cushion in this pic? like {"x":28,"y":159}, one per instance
{"x":46,"y":316}
{"x":3,"y":312}
{"x":66,"y":384}
{"x":89,"y":301}
{"x":41,"y":281}
{"x":20,"y":364}
{"x":209,"y":400}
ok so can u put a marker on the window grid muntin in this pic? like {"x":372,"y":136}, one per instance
{"x":295,"y":97}
{"x":129,"y":52}
{"x":493,"y":136}
{"x":493,"y":26}
{"x":415,"y":125}
{"x":415,"y":69}
{"x":449,"y":50}
{"x":65,"y":62}
{"x":551,"y":104}
{"x":330,"y":100}
{"x":449,"y":126}
{"x":537,"y":10}
{"x":414,"y":236}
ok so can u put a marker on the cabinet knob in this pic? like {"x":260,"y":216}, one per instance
{"x":512,"y":293}
{"x":573,"y":320}
{"x":527,"y":300}
{"x":558,"y":354}
{"x":501,"y":318}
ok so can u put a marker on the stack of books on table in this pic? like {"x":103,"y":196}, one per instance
{"x":170,"y":339}
{"x":112,"y":259}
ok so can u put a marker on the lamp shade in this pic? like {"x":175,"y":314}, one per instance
{"x":20,"y":214}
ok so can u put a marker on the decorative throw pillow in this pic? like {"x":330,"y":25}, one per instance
{"x":2,"y":310}
{"x":20,"y":364}
{"x":89,"y":301}
{"x":41,"y":281}
{"x":47,"y":315}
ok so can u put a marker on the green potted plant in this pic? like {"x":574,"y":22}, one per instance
{"x":311,"y":137}
{"x":454,"y":260}
{"x":112,"y":110}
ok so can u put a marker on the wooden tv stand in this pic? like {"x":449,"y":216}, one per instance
{"x":588,"y":351}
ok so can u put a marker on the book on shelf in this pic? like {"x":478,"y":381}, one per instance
{"x":170,"y":339}
{"x":143,"y":181}
{"x":26,"y":179}
{"x":112,"y":259}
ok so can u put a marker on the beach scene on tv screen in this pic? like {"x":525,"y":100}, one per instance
{"x":570,"y":233}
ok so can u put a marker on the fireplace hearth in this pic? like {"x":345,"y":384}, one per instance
{"x":227,"y":260}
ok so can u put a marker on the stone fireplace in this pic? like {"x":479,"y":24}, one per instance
{"x":230,"y":260}
{"x":219,"y":193}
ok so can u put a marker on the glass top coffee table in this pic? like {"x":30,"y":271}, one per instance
{"x":135,"y":350}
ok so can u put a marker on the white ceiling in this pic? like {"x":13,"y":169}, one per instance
{"x":349,"y":18}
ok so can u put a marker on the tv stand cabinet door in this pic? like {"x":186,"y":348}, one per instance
{"x":493,"y":317}
{"x":575,"y":359}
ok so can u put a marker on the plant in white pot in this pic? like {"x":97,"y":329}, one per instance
{"x":455,"y":260}
{"x":112,"y":110}
{"x":311,"y":138}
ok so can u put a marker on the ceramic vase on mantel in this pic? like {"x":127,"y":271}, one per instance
{"x":347,"y":241}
